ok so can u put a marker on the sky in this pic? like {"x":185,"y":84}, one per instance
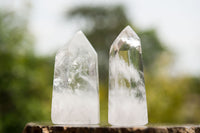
{"x":176,"y":22}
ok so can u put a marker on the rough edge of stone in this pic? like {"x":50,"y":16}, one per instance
{"x":37,"y":128}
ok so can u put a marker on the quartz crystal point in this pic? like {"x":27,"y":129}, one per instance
{"x":75,"y":97}
{"x":127,"y":96}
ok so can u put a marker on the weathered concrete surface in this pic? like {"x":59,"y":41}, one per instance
{"x":38,"y":128}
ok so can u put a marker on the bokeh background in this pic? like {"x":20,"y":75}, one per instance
{"x":31,"y":31}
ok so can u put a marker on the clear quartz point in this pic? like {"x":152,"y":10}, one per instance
{"x":75,"y":97}
{"x":127,"y":96}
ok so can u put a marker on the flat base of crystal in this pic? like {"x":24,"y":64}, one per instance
{"x":81,"y":108}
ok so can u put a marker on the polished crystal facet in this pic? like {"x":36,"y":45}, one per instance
{"x":127,"y":96}
{"x":75,"y":97}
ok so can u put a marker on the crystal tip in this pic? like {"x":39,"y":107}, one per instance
{"x":129,"y":30}
{"x":128,"y":27}
{"x":79,"y":32}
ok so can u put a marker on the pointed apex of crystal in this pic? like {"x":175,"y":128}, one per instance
{"x":79,"y":40}
{"x":79,"y":34}
{"x":129,"y":32}
{"x":125,"y":40}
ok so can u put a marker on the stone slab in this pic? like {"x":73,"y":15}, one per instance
{"x":49,"y":128}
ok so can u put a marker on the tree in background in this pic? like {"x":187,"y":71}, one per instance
{"x":166,"y":95}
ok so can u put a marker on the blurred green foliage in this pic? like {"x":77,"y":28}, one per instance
{"x":26,"y":79}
